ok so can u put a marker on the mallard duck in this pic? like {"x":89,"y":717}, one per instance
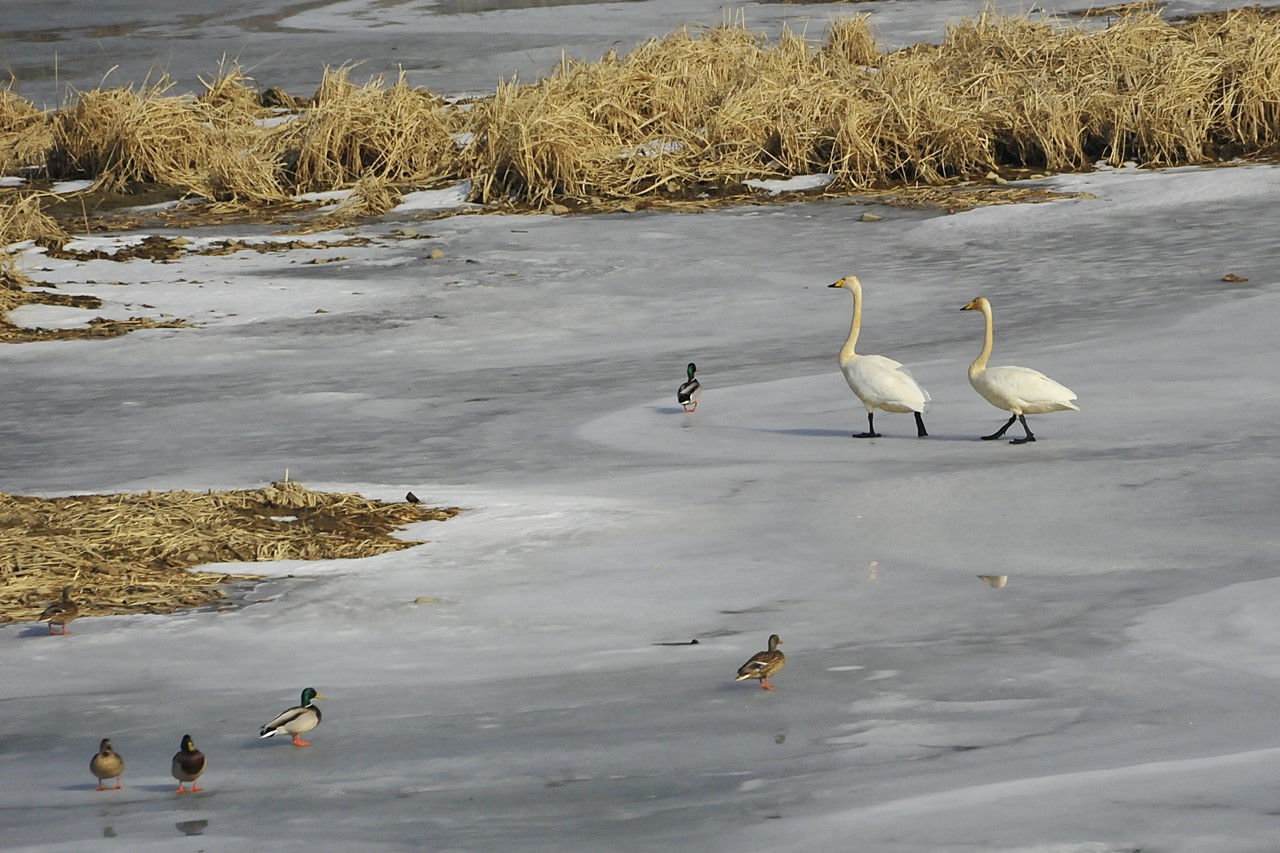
{"x":764,"y":664}
{"x":296,"y":720}
{"x":106,"y":764}
{"x":1019,"y":390}
{"x":60,"y":612}
{"x":879,"y":382}
{"x":687,"y":394}
{"x":188,"y":764}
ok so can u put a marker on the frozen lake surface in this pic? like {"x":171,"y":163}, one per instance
{"x":1117,"y":694}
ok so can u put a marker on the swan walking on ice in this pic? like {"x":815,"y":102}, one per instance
{"x":1019,"y":390}
{"x":879,"y":382}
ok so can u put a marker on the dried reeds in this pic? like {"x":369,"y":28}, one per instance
{"x":700,"y":111}
{"x":210,"y":147}
{"x":13,"y":285}
{"x":22,"y":217}
{"x":397,"y":134}
{"x":132,"y":553}
{"x":371,"y":196}
{"x":25,"y":133}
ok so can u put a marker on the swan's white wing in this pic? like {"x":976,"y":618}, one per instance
{"x":882,"y":360}
{"x":1029,"y":389}
{"x":882,"y":381}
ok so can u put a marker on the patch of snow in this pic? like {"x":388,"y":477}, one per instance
{"x":799,"y":183}
{"x":451,"y":197}
{"x":69,"y":187}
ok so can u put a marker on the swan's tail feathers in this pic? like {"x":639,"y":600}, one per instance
{"x":1070,"y":404}
{"x":267,"y":731}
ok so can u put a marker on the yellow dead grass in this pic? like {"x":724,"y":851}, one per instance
{"x":700,"y":111}
{"x":25,"y":133}
{"x":209,"y":146}
{"x":22,"y":217}
{"x":395,"y":134}
{"x":132,"y":553}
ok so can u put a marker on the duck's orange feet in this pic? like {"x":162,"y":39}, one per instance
{"x":100,"y":788}
{"x":765,"y":685}
{"x":117,"y":787}
{"x":195,"y":786}
{"x":181,"y":790}
{"x":298,"y":741}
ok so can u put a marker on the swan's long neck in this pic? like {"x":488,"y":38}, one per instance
{"x":980,"y":363}
{"x":846,"y":352}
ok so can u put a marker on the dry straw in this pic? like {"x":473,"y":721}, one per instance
{"x":25,"y":133}
{"x":132,"y":553}
{"x":370,"y":196}
{"x":22,"y":217}
{"x":396,"y":134}
{"x":211,"y":146}
{"x":698,"y":112}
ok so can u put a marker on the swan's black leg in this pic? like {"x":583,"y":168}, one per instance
{"x":1002,"y":429}
{"x":871,"y":428}
{"x":921,"y":432}
{"x":1029,"y":437}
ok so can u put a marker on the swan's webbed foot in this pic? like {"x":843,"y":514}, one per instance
{"x":866,"y":435}
{"x":1029,"y":437}
{"x":1000,"y":432}
{"x":921,"y":432}
{"x":871,"y":428}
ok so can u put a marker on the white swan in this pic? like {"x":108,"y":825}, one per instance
{"x":879,"y":382}
{"x":1019,"y":390}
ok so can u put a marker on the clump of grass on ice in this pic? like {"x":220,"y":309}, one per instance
{"x":702,"y":110}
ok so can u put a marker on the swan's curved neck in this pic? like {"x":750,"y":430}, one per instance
{"x":846,"y":351}
{"x":980,"y":363}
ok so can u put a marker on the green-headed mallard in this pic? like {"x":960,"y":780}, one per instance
{"x":879,"y":382}
{"x":1019,"y":390}
{"x":188,"y":764}
{"x":106,"y":764}
{"x":687,"y":394}
{"x":60,"y":612}
{"x":296,"y":720}
{"x":764,"y":664}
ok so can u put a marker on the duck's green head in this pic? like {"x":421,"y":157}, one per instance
{"x":692,"y":369}
{"x":188,"y":745}
{"x":308,"y":695}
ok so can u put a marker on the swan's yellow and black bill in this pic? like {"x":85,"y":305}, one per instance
{"x":844,"y":282}
{"x":972,"y":306}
